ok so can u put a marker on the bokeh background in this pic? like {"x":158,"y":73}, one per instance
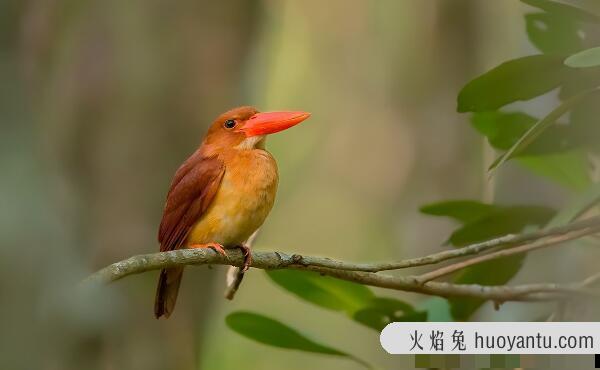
{"x":100,"y":101}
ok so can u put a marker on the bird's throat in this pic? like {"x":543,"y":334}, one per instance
{"x":252,"y":142}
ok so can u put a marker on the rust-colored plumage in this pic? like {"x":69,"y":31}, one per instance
{"x":222,"y":193}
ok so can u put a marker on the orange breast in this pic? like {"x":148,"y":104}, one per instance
{"x":243,"y":201}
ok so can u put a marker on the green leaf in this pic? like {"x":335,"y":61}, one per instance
{"x":461,"y":210}
{"x":382,"y":311}
{"x":539,"y":127}
{"x":584,"y":59}
{"x":568,"y":169}
{"x":491,"y":221}
{"x":578,"y":205}
{"x":356,"y":300}
{"x":324,"y":291}
{"x":494,"y":272}
{"x":564,"y":10}
{"x":504,"y":129}
{"x":437,"y":308}
{"x":583,"y":122}
{"x":515,"y":80}
{"x":483,"y":221}
{"x":501,"y":221}
{"x":553,"y":33}
{"x":274,"y":333}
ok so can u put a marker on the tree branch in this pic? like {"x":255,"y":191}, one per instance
{"x":366,"y":273}
{"x":278,"y":260}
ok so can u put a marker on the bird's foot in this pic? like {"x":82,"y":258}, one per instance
{"x":214,"y":246}
{"x":247,"y":257}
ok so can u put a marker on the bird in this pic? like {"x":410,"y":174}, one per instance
{"x":222,"y":193}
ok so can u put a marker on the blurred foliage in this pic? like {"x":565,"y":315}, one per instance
{"x":483,"y":222}
{"x":356,"y":300}
{"x":515,"y":80}
{"x":437,"y":308}
{"x":528,"y":77}
{"x":274,"y":333}
{"x":579,"y":204}
{"x":556,"y":151}
{"x":503,"y":130}
{"x":381,"y":311}
{"x":486,"y":221}
{"x":584,"y":59}
{"x":325,"y":291}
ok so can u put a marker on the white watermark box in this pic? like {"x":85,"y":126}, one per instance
{"x":491,"y":338}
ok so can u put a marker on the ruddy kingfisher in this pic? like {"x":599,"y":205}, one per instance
{"x":222,"y":193}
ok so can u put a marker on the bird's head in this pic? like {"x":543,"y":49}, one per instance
{"x":246,"y":128}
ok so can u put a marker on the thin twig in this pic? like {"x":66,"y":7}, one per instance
{"x":512,"y":240}
{"x":591,"y":280}
{"x":540,"y":243}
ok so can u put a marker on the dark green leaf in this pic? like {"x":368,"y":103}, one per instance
{"x":583,"y":121}
{"x":494,"y":272}
{"x":569,"y":169}
{"x":356,"y":300}
{"x":564,"y":10}
{"x":485,"y":221}
{"x":461,"y":210}
{"x":504,"y":129}
{"x":324,"y":291}
{"x":539,"y":127}
{"x":584,"y":59}
{"x":501,"y":221}
{"x":382,"y":311}
{"x":274,"y":333}
{"x":553,"y":33}
{"x":437,"y":308}
{"x":515,"y":80}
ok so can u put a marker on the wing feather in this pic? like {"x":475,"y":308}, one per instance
{"x":194,"y":186}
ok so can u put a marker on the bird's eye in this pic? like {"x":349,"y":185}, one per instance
{"x":229,"y":123}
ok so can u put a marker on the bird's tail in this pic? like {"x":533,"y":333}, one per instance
{"x":166,"y":291}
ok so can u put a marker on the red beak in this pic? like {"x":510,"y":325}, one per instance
{"x":272,"y":122}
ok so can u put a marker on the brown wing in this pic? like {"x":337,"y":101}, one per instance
{"x":195,"y":184}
